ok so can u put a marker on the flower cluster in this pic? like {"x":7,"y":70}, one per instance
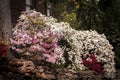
{"x":92,"y":63}
{"x":32,"y":36}
{"x":3,"y":48}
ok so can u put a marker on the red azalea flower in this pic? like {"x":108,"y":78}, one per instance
{"x":97,"y":67}
{"x":92,"y":65}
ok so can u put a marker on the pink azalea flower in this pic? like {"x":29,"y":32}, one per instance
{"x":49,"y":58}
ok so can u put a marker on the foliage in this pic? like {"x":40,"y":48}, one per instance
{"x":87,"y":14}
{"x":70,"y":18}
{"x":65,"y":11}
{"x":31,"y":37}
{"x":111,"y":25}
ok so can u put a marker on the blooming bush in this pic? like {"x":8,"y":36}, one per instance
{"x":31,"y":36}
{"x":92,"y":63}
{"x":38,"y":34}
{"x":3,"y":48}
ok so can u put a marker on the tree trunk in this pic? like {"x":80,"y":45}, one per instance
{"x":5,"y":20}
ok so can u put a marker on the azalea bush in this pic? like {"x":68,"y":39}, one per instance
{"x":3,"y":48}
{"x":37,"y":34}
{"x":32,"y":37}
